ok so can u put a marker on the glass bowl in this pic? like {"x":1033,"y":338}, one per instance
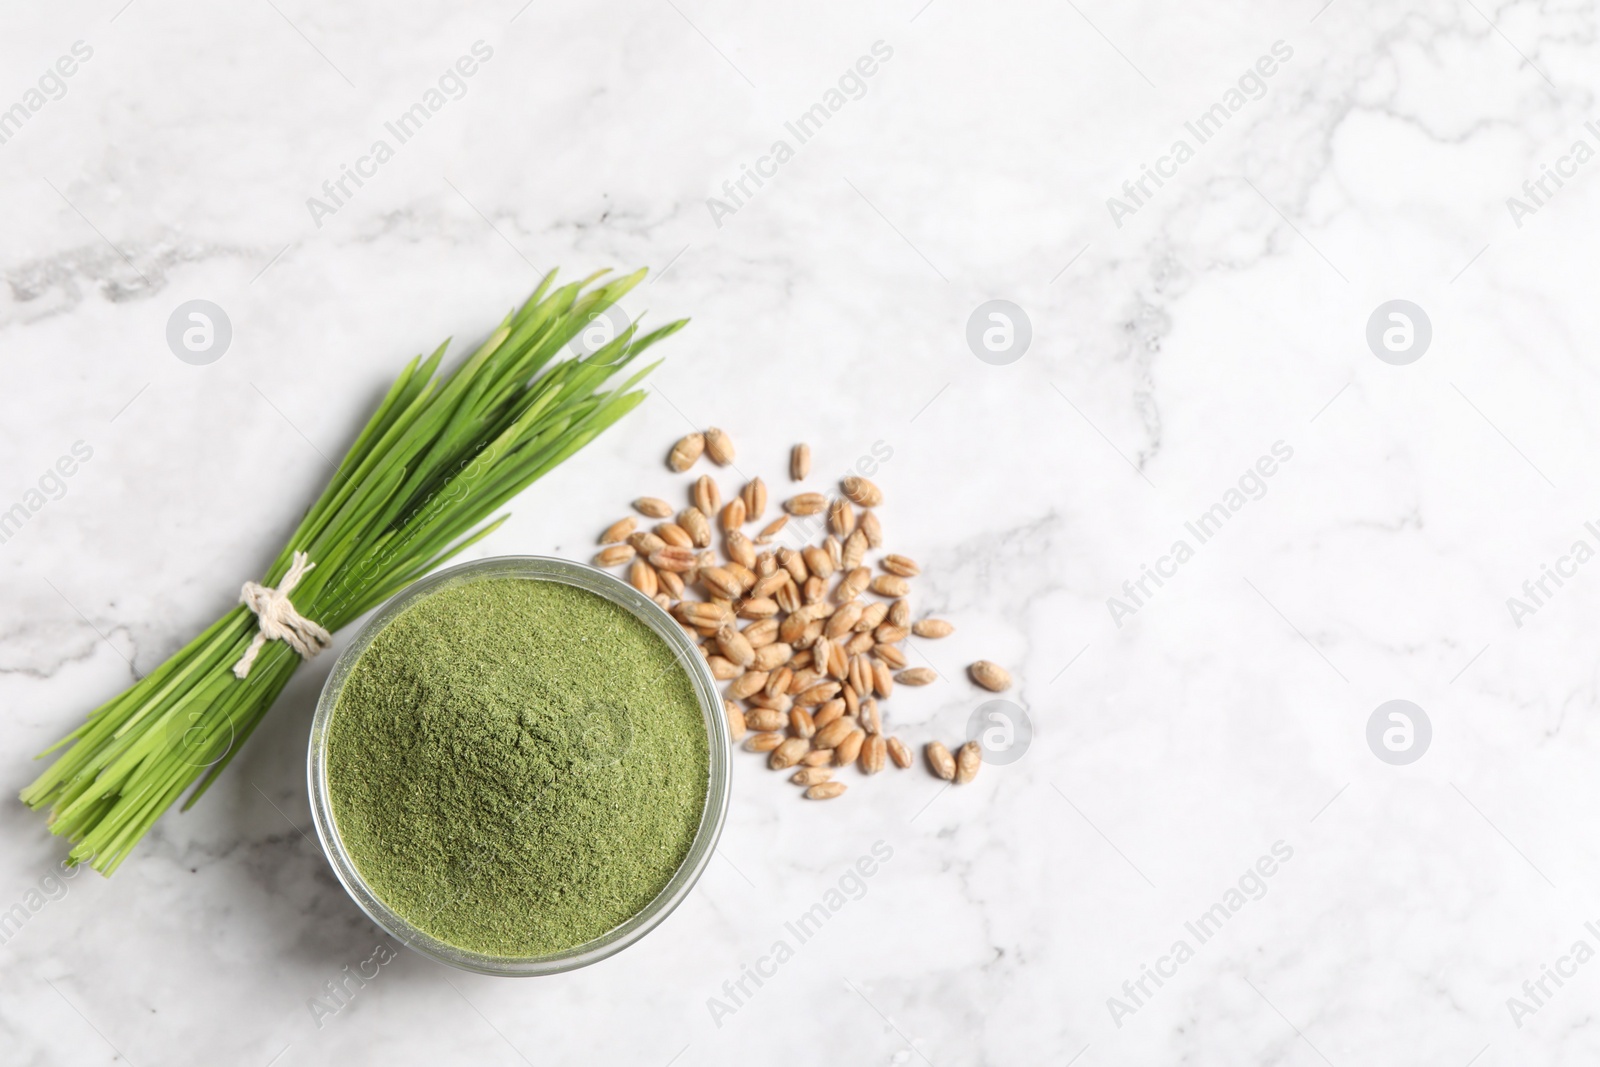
{"x":548,"y":569}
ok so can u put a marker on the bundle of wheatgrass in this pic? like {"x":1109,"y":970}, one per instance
{"x":438,"y":456}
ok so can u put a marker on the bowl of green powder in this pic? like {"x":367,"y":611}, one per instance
{"x":519,"y":766}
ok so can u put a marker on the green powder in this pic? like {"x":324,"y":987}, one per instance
{"x":517,"y":766}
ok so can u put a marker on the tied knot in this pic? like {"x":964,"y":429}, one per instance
{"x":277,"y":618}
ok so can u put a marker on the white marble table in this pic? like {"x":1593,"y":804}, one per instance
{"x":1315,"y":161}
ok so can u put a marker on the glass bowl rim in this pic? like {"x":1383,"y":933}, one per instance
{"x":718,"y":782}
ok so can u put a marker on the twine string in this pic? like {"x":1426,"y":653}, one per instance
{"x":278,"y":619}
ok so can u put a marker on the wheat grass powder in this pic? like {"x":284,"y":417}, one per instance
{"x":517,"y":766}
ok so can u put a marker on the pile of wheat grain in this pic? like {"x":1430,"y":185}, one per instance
{"x":807,"y":639}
